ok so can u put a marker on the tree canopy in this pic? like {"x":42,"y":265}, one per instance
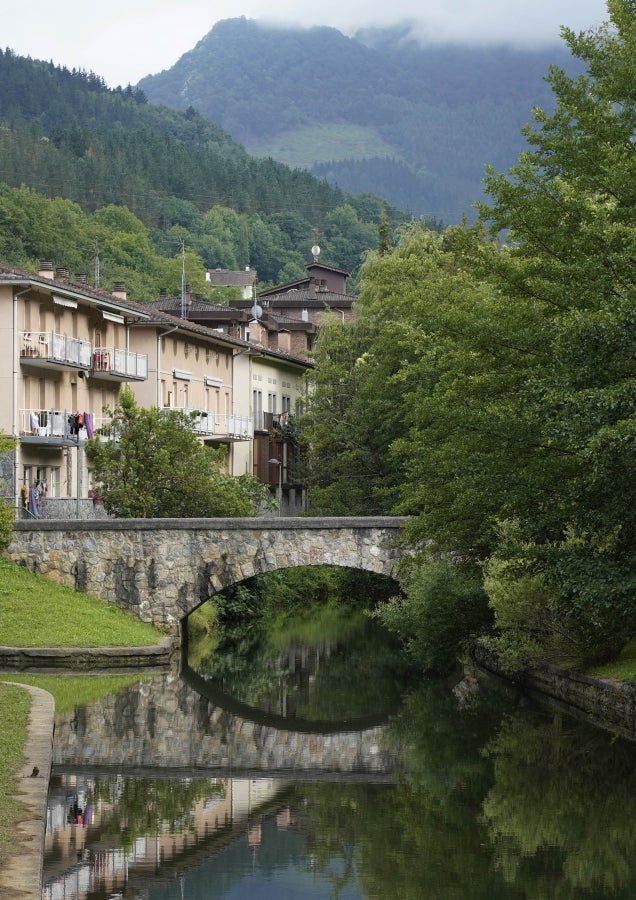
{"x":153,"y":465}
{"x":501,"y":356}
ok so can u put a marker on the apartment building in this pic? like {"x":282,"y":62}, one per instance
{"x":67,"y":348}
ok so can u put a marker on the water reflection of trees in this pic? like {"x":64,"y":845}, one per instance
{"x":559,"y":801}
{"x":139,"y":807}
{"x":335,"y":664}
{"x":529,"y":804}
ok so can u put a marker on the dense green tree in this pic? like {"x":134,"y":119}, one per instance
{"x":347,"y":445}
{"x":569,"y":209}
{"x":154,"y":466}
{"x":510,"y":366}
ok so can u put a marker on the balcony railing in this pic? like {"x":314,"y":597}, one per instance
{"x":121,"y":363}
{"x":240,"y":428}
{"x":210,"y":424}
{"x":105,"y":429}
{"x":58,"y":348}
{"x":56,"y":423}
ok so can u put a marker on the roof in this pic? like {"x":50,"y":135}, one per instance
{"x":325,"y":268}
{"x":300,"y":297}
{"x":231,"y":277}
{"x":139,"y":313}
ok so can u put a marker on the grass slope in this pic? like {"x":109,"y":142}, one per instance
{"x":36,"y":612}
{"x":304,"y":146}
{"x":15,"y":704}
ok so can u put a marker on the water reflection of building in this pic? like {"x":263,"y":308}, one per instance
{"x":90,"y":854}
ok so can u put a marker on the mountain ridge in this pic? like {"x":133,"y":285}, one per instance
{"x":445,"y":111}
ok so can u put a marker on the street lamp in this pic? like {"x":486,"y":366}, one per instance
{"x":277,"y":462}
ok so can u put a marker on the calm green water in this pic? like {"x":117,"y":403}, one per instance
{"x":469,"y":793}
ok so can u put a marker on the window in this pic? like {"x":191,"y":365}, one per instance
{"x":271,"y":402}
{"x":286,"y":404}
{"x":257,"y":408}
{"x":54,"y":482}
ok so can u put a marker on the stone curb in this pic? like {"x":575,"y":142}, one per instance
{"x":21,"y":877}
{"x":82,"y":658}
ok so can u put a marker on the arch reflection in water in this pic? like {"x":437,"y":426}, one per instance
{"x":332,"y":669}
{"x":164,"y":725}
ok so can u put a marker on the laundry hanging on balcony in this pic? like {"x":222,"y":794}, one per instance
{"x":75,"y":422}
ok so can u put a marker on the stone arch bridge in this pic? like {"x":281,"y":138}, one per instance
{"x":162,"y":569}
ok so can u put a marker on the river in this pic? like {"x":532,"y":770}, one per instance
{"x":306,"y":765}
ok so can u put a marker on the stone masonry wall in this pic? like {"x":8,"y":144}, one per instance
{"x":162,"y":569}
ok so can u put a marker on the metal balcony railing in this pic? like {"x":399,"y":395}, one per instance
{"x":126,"y":363}
{"x":212,"y":424}
{"x":59,"y":348}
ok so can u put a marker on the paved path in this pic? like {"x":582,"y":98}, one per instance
{"x":21,"y":877}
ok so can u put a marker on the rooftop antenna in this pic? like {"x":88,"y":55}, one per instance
{"x":183,"y":281}
{"x":96,"y":263}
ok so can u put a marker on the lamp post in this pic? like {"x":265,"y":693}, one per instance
{"x":277,"y":462}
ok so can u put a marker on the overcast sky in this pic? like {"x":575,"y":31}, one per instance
{"x":123,"y":40}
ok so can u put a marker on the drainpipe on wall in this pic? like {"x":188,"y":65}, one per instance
{"x":14,"y":416}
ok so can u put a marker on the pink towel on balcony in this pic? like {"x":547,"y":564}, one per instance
{"x":88,"y":423}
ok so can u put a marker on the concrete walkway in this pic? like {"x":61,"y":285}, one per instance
{"x":21,"y":877}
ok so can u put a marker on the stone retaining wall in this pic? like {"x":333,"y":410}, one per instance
{"x":606,"y":703}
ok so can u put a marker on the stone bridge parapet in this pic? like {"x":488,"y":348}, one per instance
{"x":162,"y":569}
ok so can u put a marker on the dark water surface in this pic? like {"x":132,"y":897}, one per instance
{"x":282,"y":769}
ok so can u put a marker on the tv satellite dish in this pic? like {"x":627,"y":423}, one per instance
{"x":257,"y":311}
{"x":316,"y":251}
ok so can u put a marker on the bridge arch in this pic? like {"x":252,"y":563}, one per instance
{"x":162,"y":569}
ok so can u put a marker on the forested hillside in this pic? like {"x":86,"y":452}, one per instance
{"x":180,"y":177}
{"x":377,"y":112}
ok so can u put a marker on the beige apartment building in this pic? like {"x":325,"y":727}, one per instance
{"x":67,"y":348}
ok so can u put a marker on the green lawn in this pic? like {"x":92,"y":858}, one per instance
{"x":36,"y":612}
{"x":15,"y":704}
{"x":623,"y":668}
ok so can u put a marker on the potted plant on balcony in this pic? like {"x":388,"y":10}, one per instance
{"x":96,"y":496}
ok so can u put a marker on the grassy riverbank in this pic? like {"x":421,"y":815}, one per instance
{"x":15,"y":703}
{"x":36,"y":612}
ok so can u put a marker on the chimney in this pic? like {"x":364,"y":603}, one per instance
{"x":46,"y":269}
{"x":61,"y":273}
{"x":82,"y":277}
{"x":119,"y":290}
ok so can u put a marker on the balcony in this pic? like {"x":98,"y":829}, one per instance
{"x":54,"y":427}
{"x":111,"y":364}
{"x":46,"y":348}
{"x":215,"y":426}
